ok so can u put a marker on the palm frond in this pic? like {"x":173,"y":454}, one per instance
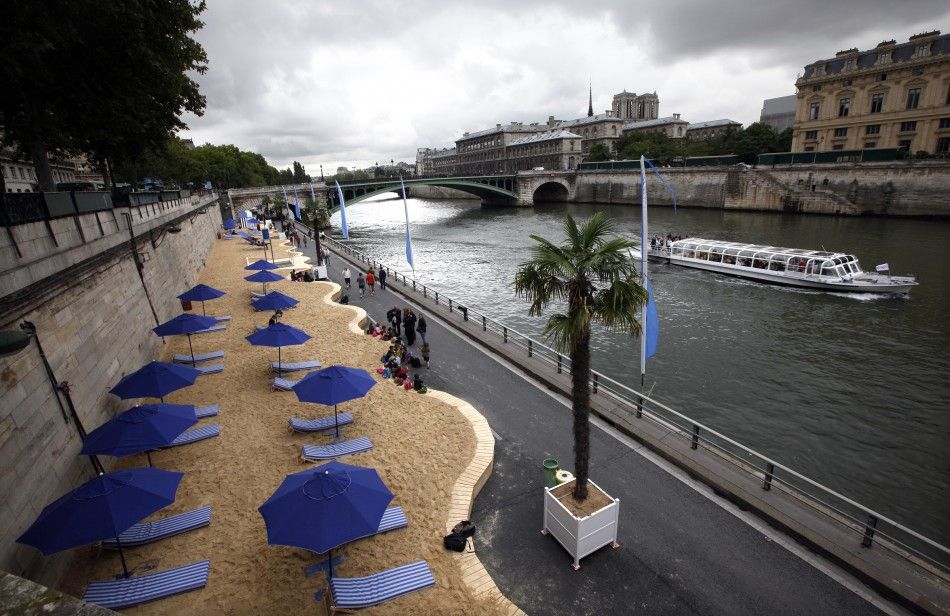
{"x":566,"y":330}
{"x":616,"y":306}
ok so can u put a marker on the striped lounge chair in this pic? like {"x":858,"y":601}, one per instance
{"x":293,"y":366}
{"x":202,"y":412}
{"x":394,"y":518}
{"x":147,"y":532}
{"x":211,"y":369}
{"x":196,"y":434}
{"x":225,"y":317}
{"x":349,"y":594}
{"x":216,"y":328}
{"x":319,"y":424}
{"x":178,"y":358}
{"x":313,"y":453}
{"x":125,"y":592}
{"x":283,"y":384}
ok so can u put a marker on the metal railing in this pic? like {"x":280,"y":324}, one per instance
{"x":868,"y":526}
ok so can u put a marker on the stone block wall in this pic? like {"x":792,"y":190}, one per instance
{"x":694,"y":187}
{"x":94,"y":328}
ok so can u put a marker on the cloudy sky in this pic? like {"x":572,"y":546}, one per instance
{"x":351,"y":83}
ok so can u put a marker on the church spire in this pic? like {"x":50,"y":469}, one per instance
{"x":590,"y":102}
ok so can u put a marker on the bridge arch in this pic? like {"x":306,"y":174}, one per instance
{"x":551,"y":190}
{"x":488,"y":188}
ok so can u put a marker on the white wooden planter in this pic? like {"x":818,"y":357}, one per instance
{"x":581,"y":536}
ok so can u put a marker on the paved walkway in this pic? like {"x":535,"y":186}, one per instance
{"x":683,"y":552}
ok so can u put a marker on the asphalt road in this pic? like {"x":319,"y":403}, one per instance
{"x":683,"y":552}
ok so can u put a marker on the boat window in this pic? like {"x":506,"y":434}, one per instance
{"x":854,"y":268}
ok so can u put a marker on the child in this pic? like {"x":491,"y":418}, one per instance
{"x":425,"y":353}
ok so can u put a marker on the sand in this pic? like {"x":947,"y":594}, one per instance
{"x":420,"y":447}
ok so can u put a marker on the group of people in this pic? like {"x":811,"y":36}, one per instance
{"x":366,"y":282}
{"x":406,"y":322}
{"x":302,"y":276}
{"x":398,"y":360}
{"x":658,"y":241}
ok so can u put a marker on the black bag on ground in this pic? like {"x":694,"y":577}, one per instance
{"x":464,"y":528}
{"x":416,"y":362}
{"x":454,"y":542}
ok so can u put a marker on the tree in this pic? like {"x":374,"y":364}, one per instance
{"x":300,"y":176}
{"x":109,"y":81}
{"x":598,"y":152}
{"x":595,"y":274}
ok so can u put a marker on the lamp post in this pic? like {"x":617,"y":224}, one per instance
{"x":321,"y":174}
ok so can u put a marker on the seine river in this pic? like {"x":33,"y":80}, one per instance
{"x":850,"y":390}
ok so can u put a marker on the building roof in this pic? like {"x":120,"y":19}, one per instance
{"x":546,"y":136}
{"x":656,"y":122}
{"x":713,"y":124}
{"x":443,"y":153}
{"x":600,"y":117}
{"x":514,"y":127}
{"x":868,"y":57}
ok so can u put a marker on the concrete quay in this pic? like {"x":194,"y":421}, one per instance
{"x":690,"y":546}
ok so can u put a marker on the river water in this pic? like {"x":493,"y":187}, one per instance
{"x":850,"y":390}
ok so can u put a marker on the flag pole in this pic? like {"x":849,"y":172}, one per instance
{"x":643,"y":265}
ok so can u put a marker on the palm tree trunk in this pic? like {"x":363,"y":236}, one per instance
{"x":580,"y":403}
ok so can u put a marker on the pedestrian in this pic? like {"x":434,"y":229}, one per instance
{"x":326,"y":256}
{"x":305,"y":241}
{"x":361,"y":283}
{"x":395,"y":318}
{"x":409,"y":322}
{"x":382,"y":278}
{"x":421,"y":327}
{"x":346,"y":276}
{"x":425,"y":353}
{"x":371,"y":281}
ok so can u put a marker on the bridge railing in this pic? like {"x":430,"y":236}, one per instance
{"x":867,"y":526}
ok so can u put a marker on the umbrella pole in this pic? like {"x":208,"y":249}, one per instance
{"x":125,"y":568}
{"x":330,"y":565}
{"x":203,"y":309}
{"x":194,"y":363}
{"x":278,"y":362}
{"x":148,"y":455}
{"x":336,"y":421}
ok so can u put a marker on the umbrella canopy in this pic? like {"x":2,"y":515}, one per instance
{"x":229,"y":223}
{"x":275,"y":300}
{"x":155,"y":380}
{"x":322,"y":508}
{"x":102,"y":508}
{"x":139,"y":429}
{"x":278,"y":335}
{"x":201,"y":293}
{"x":261,"y":264}
{"x":185,"y":324}
{"x":334,"y":385}
{"x":264,"y":277}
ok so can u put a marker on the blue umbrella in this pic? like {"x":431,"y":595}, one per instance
{"x":185,"y":324}
{"x":278,"y":335}
{"x":155,"y":380}
{"x":229,"y":224}
{"x":322,"y":508}
{"x":334,"y":385}
{"x":261,"y":265}
{"x":275,"y":300}
{"x":264,"y":277}
{"x":201,"y":293}
{"x":139,"y":429}
{"x":102,"y":508}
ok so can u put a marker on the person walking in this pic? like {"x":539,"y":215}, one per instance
{"x":409,"y":321}
{"x":425,"y":352}
{"x":395,"y":318}
{"x":326,"y":256}
{"x":382,"y":278}
{"x":361,"y":283}
{"x":371,"y":281}
{"x":421,"y":327}
{"x":346,"y":276}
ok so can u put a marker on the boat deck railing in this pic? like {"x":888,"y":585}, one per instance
{"x":867,"y":526}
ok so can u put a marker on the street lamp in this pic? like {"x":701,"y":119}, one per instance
{"x":321,"y":173}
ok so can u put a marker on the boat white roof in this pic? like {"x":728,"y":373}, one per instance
{"x":740,"y":247}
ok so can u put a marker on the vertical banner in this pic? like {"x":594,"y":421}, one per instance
{"x":405,"y":207}
{"x":339,"y":194}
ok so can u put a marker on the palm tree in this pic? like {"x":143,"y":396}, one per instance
{"x":594,"y":273}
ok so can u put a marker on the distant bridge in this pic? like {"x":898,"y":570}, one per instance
{"x":521,"y":189}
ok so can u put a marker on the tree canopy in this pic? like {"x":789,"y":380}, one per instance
{"x":107,"y":79}
{"x":755,"y":139}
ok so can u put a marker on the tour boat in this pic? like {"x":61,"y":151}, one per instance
{"x":812,"y":269}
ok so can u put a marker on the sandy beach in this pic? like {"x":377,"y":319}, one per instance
{"x":420,"y":447}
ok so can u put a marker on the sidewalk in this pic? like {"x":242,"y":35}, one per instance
{"x":683,"y":553}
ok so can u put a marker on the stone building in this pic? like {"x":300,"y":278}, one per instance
{"x":779,"y":113}
{"x":444,"y":161}
{"x":635,"y":108}
{"x":892,"y":96}
{"x":556,"y":150}
{"x":601,"y":128}
{"x":672,"y":126}
{"x":484,"y":152}
{"x":20,"y":176}
{"x":711,"y":128}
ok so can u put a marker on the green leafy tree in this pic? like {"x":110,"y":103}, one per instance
{"x":300,"y":175}
{"x":593,"y":272}
{"x":598,"y":152}
{"x":106,"y":80}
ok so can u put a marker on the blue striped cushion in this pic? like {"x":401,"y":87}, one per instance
{"x":196,"y":434}
{"x":202,"y":412}
{"x":132,"y":591}
{"x":352,"y":593}
{"x":393,"y":518}
{"x":322,"y":423}
{"x":335,"y":450}
{"x":296,"y":365}
{"x":216,"y":328}
{"x":212,"y":369}
{"x":159,"y":529}
{"x":225,"y":317}
{"x":283,"y":384}
{"x":178,"y":358}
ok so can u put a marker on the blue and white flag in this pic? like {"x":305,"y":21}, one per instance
{"x":297,"y":204}
{"x":405,"y":207}
{"x":663,"y":180}
{"x":339,"y":194}
{"x":651,"y":323}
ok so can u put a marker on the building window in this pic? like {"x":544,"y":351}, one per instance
{"x":844,"y":105}
{"x":816,"y":88}
{"x":908,"y":127}
{"x":841,"y":132}
{"x":873,"y":129}
{"x":913,"y":98}
{"x":884,"y":57}
{"x":904,"y":144}
{"x":877,"y":103}
{"x":847,"y":82}
{"x":880,"y":77}
{"x":811,"y":134}
{"x":810,"y":149}
{"x":813,"y":110}
{"x":849,"y":65}
{"x":870,"y":145}
{"x":943,"y":145}
{"x":838,"y":146}
{"x":944,"y":123}
{"x":922,"y":51}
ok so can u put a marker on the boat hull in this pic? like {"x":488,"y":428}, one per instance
{"x":865,"y":284}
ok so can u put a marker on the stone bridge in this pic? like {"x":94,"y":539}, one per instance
{"x":522,"y":189}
